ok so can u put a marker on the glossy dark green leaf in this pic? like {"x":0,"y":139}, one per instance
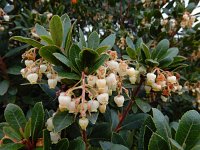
{"x":56,"y":30}
{"x":14,"y":70}
{"x":29,"y":41}
{"x":188,"y":132}
{"x":47,"y":39}
{"x":129,"y":42}
{"x":161,"y":49}
{"x":101,"y":49}
{"x":133,"y":121}
{"x":12,"y":146}
{"x":175,"y":145}
{"x":93,"y":117}
{"x":100,"y":61}
{"x":157,"y":142}
{"x":161,"y":124}
{"x":131,"y":53}
{"x":151,"y":62}
{"x":2,"y":124}
{"x":146,"y":51}
{"x":63,"y":59}
{"x":37,"y":120}
{"x":12,"y":134}
{"x":63,"y":144}
{"x":110,"y":146}
{"x":74,"y":53}
{"x":165,"y":62}
{"x":144,"y":106}
{"x":27,"y":130}
{"x":47,"y":53}
{"x":47,"y":140}
{"x":15,"y":117}
{"x":4,"y":85}
{"x":62,"y":120}
{"x":93,"y":40}
{"x":108,"y":41}
{"x":77,"y":144}
{"x":118,"y":139}
{"x":69,"y":75}
{"x":66,"y":23}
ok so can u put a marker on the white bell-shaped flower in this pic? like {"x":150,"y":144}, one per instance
{"x":119,"y":100}
{"x":32,"y":78}
{"x":83,"y":122}
{"x":103,"y":98}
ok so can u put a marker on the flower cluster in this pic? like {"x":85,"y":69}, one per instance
{"x":187,"y":20}
{"x":163,"y":81}
{"x":35,"y":69}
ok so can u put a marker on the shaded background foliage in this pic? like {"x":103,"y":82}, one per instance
{"x":125,"y":18}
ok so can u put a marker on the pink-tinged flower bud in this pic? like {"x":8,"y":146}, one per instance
{"x":83,"y":122}
{"x":103,"y":98}
{"x":64,"y":100}
{"x":28,"y":63}
{"x":92,"y":80}
{"x":132,"y":79}
{"x":52,"y":83}
{"x":55,"y":137}
{"x":151,"y":78}
{"x":49,"y":124}
{"x":156,"y":87}
{"x":72,"y":107}
{"x":171,"y":79}
{"x":122,"y":68}
{"x":163,"y":98}
{"x":94,"y":105}
{"x":113,"y":65}
{"x":101,"y":83}
{"x":111,"y":81}
{"x":102,"y":108}
{"x":119,"y":100}
{"x":43,"y":68}
{"x":147,"y":89}
{"x":32,"y":78}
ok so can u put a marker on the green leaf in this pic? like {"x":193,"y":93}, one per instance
{"x":12,"y":134}
{"x":63,"y":144}
{"x":40,"y":30}
{"x":73,"y":54}
{"x":100,"y":61}
{"x":146,"y":51}
{"x":66,"y":23}
{"x":179,"y":59}
{"x":77,"y":144}
{"x":47,"y":39}
{"x":144,"y":106}
{"x":161,"y":49}
{"x":27,"y":130}
{"x":157,"y":143}
{"x":146,"y":132}
{"x":37,"y":120}
{"x":47,"y":53}
{"x":161,"y":124}
{"x":93,"y":40}
{"x":175,"y":145}
{"x":151,"y":62}
{"x":2,"y":125}
{"x":15,"y":117}
{"x":63,"y":59}
{"x":47,"y":140}
{"x":14,"y":70}
{"x":110,"y":146}
{"x":131,"y":53}
{"x":171,"y":53}
{"x":108,"y":41}
{"x":188,"y":132}
{"x":133,"y":121}
{"x":62,"y":120}
{"x":82,"y":38}
{"x":56,"y":30}
{"x":4,"y":85}
{"x":101,"y":49}
{"x":27,"y":40}
{"x":69,"y":40}
{"x":15,"y":51}
{"x":11,"y":146}
{"x":93,"y":117}
{"x":69,"y":75}
{"x":165,"y":62}
{"x":129,"y":42}
{"x":197,"y":147}
{"x":118,"y":139}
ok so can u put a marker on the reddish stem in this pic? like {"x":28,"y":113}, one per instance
{"x":128,"y":108}
{"x":84,"y":136}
